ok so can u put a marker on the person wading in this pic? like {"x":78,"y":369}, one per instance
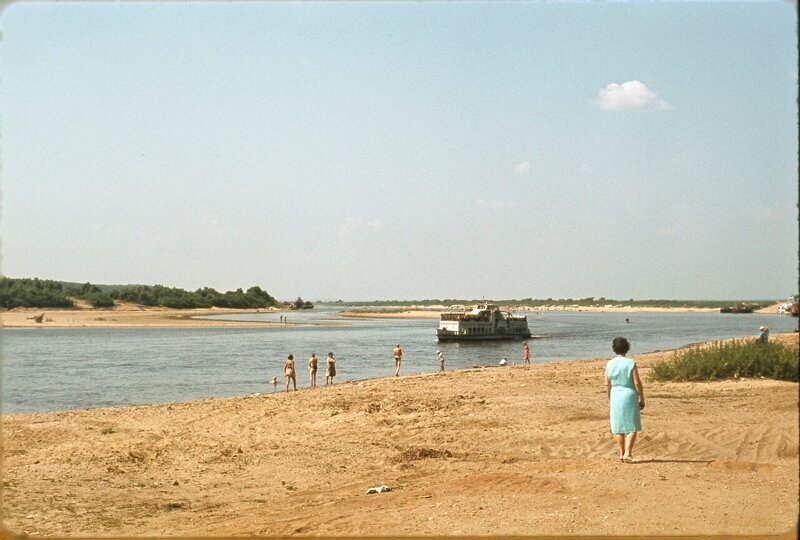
{"x":398,"y":358}
{"x":312,"y":369}
{"x":330,"y":369}
{"x":288,"y":368}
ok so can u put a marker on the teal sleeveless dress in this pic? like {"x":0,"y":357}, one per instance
{"x":625,"y":414}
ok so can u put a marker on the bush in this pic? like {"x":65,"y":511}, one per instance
{"x":32,"y":293}
{"x":738,"y":358}
{"x":177,"y":301}
{"x":99,"y":300}
{"x":47,"y":293}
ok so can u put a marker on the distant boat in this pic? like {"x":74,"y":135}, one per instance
{"x":482,"y":323}
{"x":736,"y":309}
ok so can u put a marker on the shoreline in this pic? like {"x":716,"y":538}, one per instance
{"x":502,"y":451}
{"x":423,"y":312}
{"x":134,"y":316}
{"x":647,"y":356}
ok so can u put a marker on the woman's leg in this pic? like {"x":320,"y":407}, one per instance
{"x":630,"y":438}
{"x":619,"y":438}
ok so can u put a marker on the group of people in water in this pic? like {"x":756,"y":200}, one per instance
{"x":291,"y":372}
{"x":290,"y":369}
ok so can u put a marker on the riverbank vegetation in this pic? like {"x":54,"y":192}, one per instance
{"x":45,"y":293}
{"x":730,"y":360}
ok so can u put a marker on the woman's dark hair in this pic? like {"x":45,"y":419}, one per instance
{"x":291,"y":357}
{"x":620,"y":345}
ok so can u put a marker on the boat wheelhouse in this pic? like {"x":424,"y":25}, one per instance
{"x":482,"y":322}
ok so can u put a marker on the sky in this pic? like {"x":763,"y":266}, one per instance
{"x":403,"y":150}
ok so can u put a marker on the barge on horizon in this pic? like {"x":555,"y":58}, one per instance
{"x":482,"y":322}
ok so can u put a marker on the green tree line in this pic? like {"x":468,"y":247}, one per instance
{"x":41,"y":293}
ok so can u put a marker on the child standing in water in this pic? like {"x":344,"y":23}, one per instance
{"x":440,"y":358}
{"x":526,"y":353}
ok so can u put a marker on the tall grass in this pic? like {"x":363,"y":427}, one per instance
{"x":728,"y":360}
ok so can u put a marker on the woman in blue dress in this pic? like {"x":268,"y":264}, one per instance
{"x":626,"y":395}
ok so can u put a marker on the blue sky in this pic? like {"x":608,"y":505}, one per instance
{"x":404,"y":150}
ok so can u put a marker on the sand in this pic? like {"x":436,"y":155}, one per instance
{"x":481,"y":451}
{"x":770,"y":309}
{"x":406,"y":314}
{"x":127,"y":315}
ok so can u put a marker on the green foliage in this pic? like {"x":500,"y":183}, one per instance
{"x":85,"y":290}
{"x":32,"y":293}
{"x":102,"y":288}
{"x":176,"y":298}
{"x":136,"y":294}
{"x":99,"y":300}
{"x":299,"y":303}
{"x":738,"y":358}
{"x":47,"y":293}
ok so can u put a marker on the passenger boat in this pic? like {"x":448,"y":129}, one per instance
{"x":482,"y":322}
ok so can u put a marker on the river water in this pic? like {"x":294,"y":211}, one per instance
{"x":47,"y":369}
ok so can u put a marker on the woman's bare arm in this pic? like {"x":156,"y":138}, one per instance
{"x":637,"y":383}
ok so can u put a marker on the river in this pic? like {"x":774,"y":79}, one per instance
{"x":47,"y":369}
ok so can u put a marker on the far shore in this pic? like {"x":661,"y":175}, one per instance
{"x":433,"y":312}
{"x":137,"y":316}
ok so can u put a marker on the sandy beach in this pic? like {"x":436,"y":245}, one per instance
{"x":127,"y":316}
{"x":480,"y":451}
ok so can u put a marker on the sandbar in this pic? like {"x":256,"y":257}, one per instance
{"x":130,"y":316}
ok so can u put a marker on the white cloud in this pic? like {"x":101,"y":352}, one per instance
{"x":523,"y":167}
{"x":588,"y":170}
{"x":630,"y":96}
{"x":494,"y":204}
